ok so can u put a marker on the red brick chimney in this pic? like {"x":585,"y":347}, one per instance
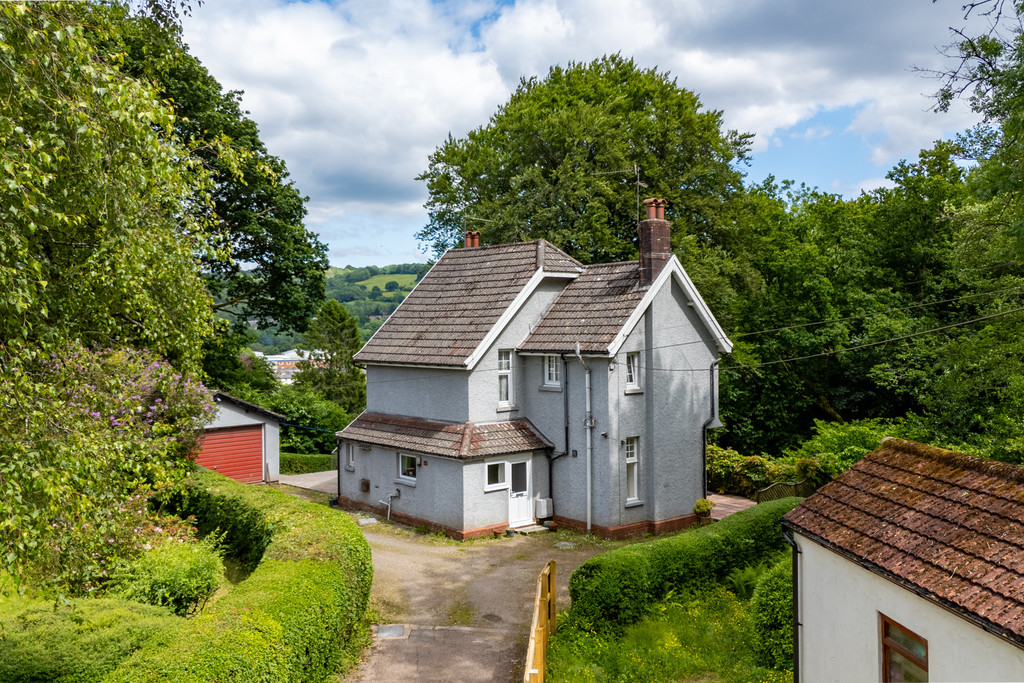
{"x":472,"y":238}
{"x":655,"y":241}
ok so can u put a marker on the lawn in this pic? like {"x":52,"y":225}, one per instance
{"x":707,"y":637}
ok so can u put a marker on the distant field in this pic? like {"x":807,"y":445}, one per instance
{"x":404,"y":280}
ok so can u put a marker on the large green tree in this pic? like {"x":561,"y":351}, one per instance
{"x":330,"y":343}
{"x":562,"y":160}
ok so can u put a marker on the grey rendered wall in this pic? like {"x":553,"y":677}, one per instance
{"x":483,"y":382}
{"x":435,"y":496}
{"x":487,"y":508}
{"x":427,"y":393}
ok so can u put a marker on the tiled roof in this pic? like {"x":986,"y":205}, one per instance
{"x":451,"y":440}
{"x":946,"y":525}
{"x":590,"y":311}
{"x":452,"y":309}
{"x":219,"y":396}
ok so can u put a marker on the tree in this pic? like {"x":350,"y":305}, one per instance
{"x":332,"y":340}
{"x":391,"y":286}
{"x":563,"y":159}
{"x":276,"y":270}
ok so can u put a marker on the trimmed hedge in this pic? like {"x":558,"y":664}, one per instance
{"x":295,"y":615}
{"x":80,"y":643}
{"x":615,"y":589}
{"x":181,"y":576}
{"x":303,"y":463}
{"x":772,"y":607}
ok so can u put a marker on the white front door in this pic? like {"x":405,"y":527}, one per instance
{"x":520,"y":509}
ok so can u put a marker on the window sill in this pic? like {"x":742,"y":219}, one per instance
{"x":634,"y":503}
{"x":634,"y":390}
{"x":506,"y":408}
{"x":551,"y":387}
{"x":411,"y":483}
{"x":491,"y":489}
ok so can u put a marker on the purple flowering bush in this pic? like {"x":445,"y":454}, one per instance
{"x":88,"y":435}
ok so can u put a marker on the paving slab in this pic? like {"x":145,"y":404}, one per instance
{"x":325,"y":482}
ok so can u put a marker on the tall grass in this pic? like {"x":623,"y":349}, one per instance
{"x":706,"y":637}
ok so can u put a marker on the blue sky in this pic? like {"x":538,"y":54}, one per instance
{"x":354,"y":95}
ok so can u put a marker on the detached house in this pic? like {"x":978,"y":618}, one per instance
{"x":910,"y":567}
{"x":515,"y":384}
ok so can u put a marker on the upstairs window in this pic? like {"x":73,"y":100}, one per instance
{"x":505,"y":377}
{"x":552,"y":371}
{"x":633,"y":370}
{"x":904,"y":654}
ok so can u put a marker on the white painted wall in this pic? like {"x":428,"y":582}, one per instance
{"x":839,"y":607}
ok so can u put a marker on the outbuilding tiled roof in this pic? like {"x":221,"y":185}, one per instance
{"x":451,"y":440}
{"x":452,"y":309}
{"x":590,"y":311}
{"x":946,"y":525}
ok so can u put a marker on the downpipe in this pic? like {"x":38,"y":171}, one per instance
{"x":588,"y":422}
{"x":391,"y":496}
{"x":796,"y":606}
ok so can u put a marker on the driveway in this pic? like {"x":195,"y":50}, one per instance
{"x":457,"y":611}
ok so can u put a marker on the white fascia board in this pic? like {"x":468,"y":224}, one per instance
{"x":511,"y":312}
{"x":673,"y":269}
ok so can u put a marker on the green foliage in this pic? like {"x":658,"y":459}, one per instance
{"x":89,"y":433}
{"x":302,"y":463}
{"x":177,"y":575}
{"x":330,"y":343}
{"x":293,"y":618}
{"x":703,"y":507}
{"x":557,"y":161}
{"x":707,"y":636}
{"x":102,"y":204}
{"x":772,"y":610}
{"x":615,"y":589}
{"x":318,"y":418}
{"x":76,"y":643}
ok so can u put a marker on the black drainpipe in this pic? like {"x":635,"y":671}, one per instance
{"x":796,"y":606}
{"x":704,"y":435}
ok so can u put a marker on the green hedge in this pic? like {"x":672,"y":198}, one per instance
{"x":80,"y":643}
{"x":296,"y":614}
{"x":181,"y":576}
{"x":303,"y":463}
{"x":772,"y":606}
{"x":615,"y":589}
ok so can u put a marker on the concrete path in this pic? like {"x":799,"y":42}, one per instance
{"x":326,"y":482}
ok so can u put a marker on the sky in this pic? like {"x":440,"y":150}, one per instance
{"x":355,"y":95}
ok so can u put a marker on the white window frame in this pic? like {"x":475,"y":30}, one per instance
{"x":350,"y":456}
{"x":552,"y":371}
{"x":416,"y":468}
{"x":505,"y":374}
{"x":633,"y":370}
{"x":632,"y":452}
{"x":504,"y":483}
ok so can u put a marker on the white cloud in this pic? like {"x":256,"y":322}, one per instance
{"x":356,"y":94}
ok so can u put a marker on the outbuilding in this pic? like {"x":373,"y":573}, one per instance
{"x":243,"y":441}
{"x":910,"y":567}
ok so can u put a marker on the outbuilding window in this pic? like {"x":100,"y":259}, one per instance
{"x":904,"y":654}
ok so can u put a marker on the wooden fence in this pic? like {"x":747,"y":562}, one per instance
{"x":784,"y":489}
{"x":543,"y":625}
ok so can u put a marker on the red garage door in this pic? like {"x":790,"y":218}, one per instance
{"x":235,"y":452}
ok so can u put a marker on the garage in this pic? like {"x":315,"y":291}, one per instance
{"x":242,"y":442}
{"x":235,"y":452}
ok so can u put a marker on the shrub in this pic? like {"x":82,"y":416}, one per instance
{"x":181,"y":576}
{"x":731,"y":472}
{"x":301,"y":463}
{"x":772,"y":607}
{"x":703,"y":507}
{"x":296,"y":614}
{"x":78,"y":643}
{"x":614,"y":589}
